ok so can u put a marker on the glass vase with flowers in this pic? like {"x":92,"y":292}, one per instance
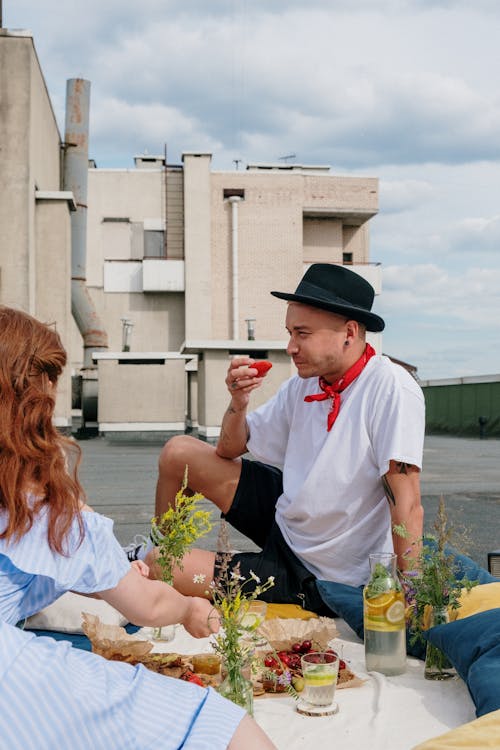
{"x":232,"y":595}
{"x":433,"y":589}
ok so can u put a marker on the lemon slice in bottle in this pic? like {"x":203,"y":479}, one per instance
{"x":396,"y":612}
{"x":380,"y":602}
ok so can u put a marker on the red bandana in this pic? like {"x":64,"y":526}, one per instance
{"x":333,"y":390}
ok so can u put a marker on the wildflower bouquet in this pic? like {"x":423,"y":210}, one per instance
{"x":178,"y":529}
{"x":232,"y":594}
{"x":433,"y":590}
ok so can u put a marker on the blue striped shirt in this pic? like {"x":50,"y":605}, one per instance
{"x":32,"y":575}
{"x":54,"y":696}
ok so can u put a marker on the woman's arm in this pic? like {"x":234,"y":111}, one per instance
{"x":154,"y":603}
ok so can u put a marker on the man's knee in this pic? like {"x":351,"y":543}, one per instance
{"x":175,"y":450}
{"x":179,"y":451}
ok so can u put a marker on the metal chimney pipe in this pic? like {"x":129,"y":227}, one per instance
{"x":75,"y":179}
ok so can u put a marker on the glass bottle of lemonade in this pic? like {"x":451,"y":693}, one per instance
{"x":384,"y":617}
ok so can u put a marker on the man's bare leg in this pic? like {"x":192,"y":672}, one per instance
{"x":215,"y":477}
{"x":198,"y":570}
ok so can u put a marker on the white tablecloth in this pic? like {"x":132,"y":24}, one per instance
{"x":386,"y":713}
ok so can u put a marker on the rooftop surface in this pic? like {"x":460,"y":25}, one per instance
{"x":120,"y":477}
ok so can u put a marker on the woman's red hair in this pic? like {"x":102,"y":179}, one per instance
{"x":33,"y":454}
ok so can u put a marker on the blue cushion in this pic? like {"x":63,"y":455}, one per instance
{"x":473,"y":647}
{"x":345,"y":602}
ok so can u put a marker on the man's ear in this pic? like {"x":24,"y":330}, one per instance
{"x":352,"y":330}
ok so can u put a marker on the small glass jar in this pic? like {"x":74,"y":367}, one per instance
{"x":206,"y":663}
{"x":164,"y":633}
{"x":437,"y":664}
{"x":238,"y":689}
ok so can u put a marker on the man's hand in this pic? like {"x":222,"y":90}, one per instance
{"x":242,"y":378}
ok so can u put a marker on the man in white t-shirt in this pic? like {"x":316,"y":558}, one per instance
{"x":338,"y":451}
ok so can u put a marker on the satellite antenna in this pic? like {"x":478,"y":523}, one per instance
{"x":286,"y":158}
{"x":237,"y":162}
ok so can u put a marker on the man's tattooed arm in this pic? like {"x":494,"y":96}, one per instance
{"x":401,"y":468}
{"x":234,"y":433}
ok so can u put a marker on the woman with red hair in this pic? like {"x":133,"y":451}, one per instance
{"x":50,"y":543}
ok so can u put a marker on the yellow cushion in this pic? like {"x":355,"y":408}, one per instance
{"x":476,"y":735}
{"x":479,"y":599}
{"x":288,"y":610}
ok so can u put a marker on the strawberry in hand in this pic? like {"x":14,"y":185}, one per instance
{"x":262,"y":366}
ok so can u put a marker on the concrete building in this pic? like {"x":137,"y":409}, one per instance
{"x":186,"y":257}
{"x":35,"y":213}
{"x":177,"y":264}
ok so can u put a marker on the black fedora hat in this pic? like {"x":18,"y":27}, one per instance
{"x":339,"y":290}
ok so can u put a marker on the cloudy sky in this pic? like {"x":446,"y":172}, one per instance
{"x":403,"y":90}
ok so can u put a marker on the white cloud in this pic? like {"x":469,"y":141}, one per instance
{"x":399,"y":89}
{"x":443,"y":322}
{"x":153,"y":124}
{"x":404,"y":195}
{"x":470,"y":298}
{"x":335,"y":81}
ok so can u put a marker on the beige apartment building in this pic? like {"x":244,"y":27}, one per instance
{"x":185,"y":257}
{"x":177,"y":265}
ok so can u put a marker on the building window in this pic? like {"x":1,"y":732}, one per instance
{"x":154,"y":244}
{"x":347,"y":259}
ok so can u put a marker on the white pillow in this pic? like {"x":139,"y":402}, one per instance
{"x":65,"y":614}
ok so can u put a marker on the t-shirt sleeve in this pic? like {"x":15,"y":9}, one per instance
{"x":96,"y":564}
{"x":105,"y":562}
{"x":269,"y":427}
{"x":398,"y":426}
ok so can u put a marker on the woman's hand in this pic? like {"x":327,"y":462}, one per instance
{"x":201,"y":619}
{"x":153,"y":603}
{"x":141,"y":567}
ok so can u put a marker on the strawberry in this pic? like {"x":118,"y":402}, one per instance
{"x":262,"y":367}
{"x":189,"y":676}
{"x":196,"y":680}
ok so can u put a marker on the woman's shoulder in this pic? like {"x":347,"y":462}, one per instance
{"x":83,"y":548}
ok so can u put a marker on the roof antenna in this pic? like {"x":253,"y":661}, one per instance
{"x":287,"y":157}
{"x":235,"y":161}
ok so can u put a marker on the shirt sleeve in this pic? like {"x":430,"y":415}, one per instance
{"x":96,"y":564}
{"x":398,"y":426}
{"x":269,"y":427}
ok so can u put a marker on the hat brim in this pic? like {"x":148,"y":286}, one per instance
{"x":372,"y":321}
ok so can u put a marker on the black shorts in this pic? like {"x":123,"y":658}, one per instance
{"x":252,"y":514}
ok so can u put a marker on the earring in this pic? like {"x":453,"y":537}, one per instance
{"x":346,"y":343}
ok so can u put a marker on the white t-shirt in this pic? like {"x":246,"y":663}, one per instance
{"x":333,"y":511}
